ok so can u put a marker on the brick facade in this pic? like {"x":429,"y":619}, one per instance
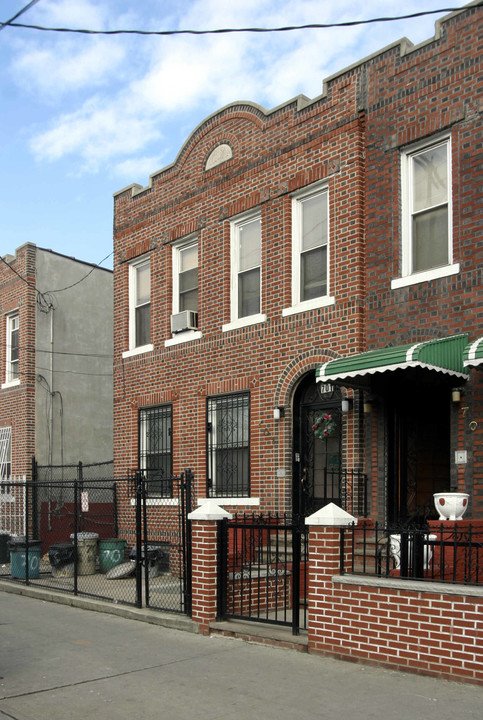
{"x":351,"y":139}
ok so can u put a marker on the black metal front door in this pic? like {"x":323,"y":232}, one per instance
{"x":317,"y":460}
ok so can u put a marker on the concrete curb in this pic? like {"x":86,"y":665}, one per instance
{"x":155,"y":617}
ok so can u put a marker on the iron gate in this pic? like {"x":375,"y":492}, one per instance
{"x":263,"y":570}
{"x":163,"y":542}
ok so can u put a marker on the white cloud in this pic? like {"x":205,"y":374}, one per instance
{"x":184,"y":76}
{"x":65,"y":68}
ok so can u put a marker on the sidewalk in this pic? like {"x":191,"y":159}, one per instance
{"x":60,"y":662}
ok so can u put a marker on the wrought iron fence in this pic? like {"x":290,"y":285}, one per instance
{"x":435,"y":552}
{"x":263,"y":570}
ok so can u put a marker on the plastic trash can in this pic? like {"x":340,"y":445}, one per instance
{"x":4,"y":554}
{"x":18,"y":558}
{"x":86,"y":552}
{"x":61,"y":556}
{"x":111,"y":553}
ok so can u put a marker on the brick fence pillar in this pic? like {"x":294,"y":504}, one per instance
{"x":204,"y":543}
{"x":324,"y":563}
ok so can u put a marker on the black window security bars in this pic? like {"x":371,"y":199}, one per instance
{"x":228,"y":446}
{"x":155,"y":449}
{"x":262,"y":576}
{"x":434,"y":552}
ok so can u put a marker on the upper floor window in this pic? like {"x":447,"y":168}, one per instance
{"x":139,"y":304}
{"x":246,"y":259}
{"x":310,"y":251}
{"x":155,"y":449}
{"x":228,"y":446}
{"x":426,"y":222}
{"x":12,"y":364}
{"x":185,"y":277}
{"x":311,"y":239}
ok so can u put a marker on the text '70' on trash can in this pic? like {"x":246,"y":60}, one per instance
{"x":18,"y":558}
{"x":86,"y":552}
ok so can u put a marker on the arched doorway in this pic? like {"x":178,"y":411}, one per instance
{"x":317,"y":461}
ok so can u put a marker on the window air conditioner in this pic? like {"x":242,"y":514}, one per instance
{"x":186,"y":320}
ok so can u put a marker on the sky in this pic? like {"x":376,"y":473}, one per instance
{"x":83,"y":116}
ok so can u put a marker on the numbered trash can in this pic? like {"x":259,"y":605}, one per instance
{"x":111,"y":553}
{"x":61,"y":556}
{"x":86,"y":552}
{"x":18,"y":558}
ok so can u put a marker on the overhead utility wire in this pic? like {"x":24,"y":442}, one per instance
{"x":311,"y":26}
{"x":20,"y":12}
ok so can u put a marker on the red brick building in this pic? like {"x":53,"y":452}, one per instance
{"x":277,"y":249}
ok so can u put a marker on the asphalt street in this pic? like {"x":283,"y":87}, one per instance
{"x":64,"y":663}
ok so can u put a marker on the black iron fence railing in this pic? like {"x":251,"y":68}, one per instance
{"x":263,"y":570}
{"x":437,"y":552}
{"x":353,"y":492}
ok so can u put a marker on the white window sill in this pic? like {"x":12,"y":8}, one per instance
{"x":309,"y":305}
{"x":183,"y":337}
{"x":425,"y":276}
{"x":252,"y":501}
{"x":153,"y":502}
{"x":244,"y":322}
{"x":138,"y":351}
{"x":10,"y":383}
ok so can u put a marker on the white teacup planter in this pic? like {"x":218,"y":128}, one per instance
{"x":451,"y":505}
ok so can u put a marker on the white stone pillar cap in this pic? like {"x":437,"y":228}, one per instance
{"x":209,"y":511}
{"x":331,"y":516}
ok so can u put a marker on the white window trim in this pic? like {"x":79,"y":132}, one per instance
{"x":231,"y":501}
{"x":183,"y":337}
{"x":137,"y":351}
{"x":408,"y":277}
{"x":8,"y":331}
{"x":153,"y":502}
{"x":177,"y":247}
{"x":235,"y":321}
{"x":324,"y":300}
{"x":133,"y":350}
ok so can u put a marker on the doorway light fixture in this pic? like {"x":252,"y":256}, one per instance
{"x":346,"y":405}
{"x":456,"y":395}
{"x":278,"y":412}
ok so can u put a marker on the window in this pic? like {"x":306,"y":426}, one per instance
{"x":5,"y":456}
{"x":185,"y":277}
{"x":311,"y":237}
{"x":12,"y":369}
{"x":228,"y":446}
{"x":155,"y":452}
{"x":426,"y":212}
{"x":246,"y":247}
{"x":310,"y":251}
{"x":140,"y":304}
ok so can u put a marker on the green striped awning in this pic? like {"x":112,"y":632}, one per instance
{"x":473,"y":353}
{"x":442,"y":356}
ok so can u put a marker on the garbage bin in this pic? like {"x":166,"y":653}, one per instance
{"x":4,"y":555}
{"x":86,"y":552}
{"x":111,"y":553}
{"x":157,"y":557}
{"x":61,"y":556}
{"x":18,"y":558}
